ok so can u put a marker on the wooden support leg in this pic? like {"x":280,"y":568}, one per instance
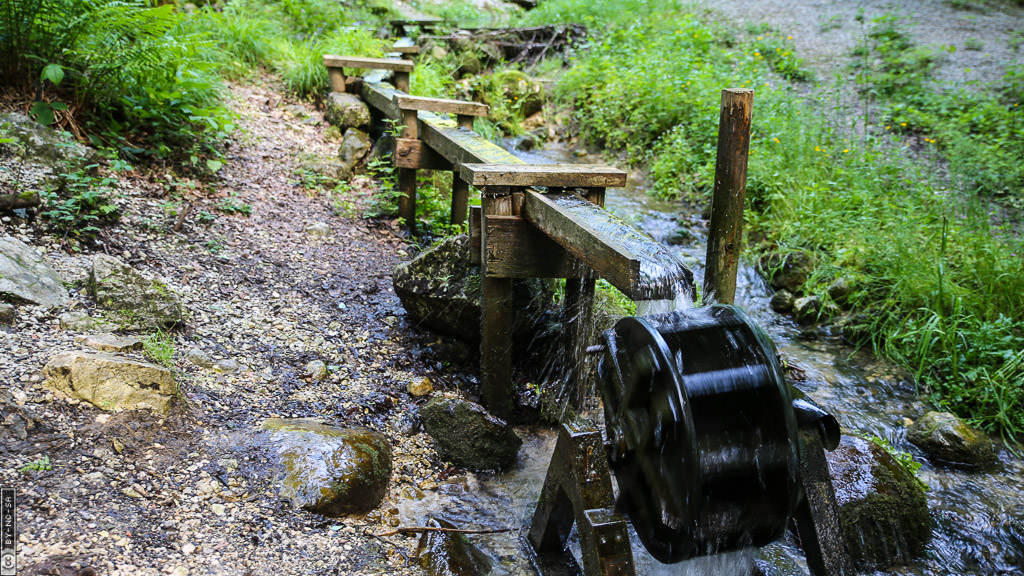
{"x":460,"y":200}
{"x":407,"y":176}
{"x":337,"y":78}
{"x":817,"y":515}
{"x":498,"y":317}
{"x":402,"y":81}
{"x":577,"y":319}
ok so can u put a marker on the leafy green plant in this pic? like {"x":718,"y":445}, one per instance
{"x":41,"y":465}
{"x":159,"y":348}
{"x":232,"y":205}
{"x":904,"y":459}
{"x":84,"y":202}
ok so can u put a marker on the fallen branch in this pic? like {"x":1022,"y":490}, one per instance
{"x":418,"y":529}
{"x":19,"y":200}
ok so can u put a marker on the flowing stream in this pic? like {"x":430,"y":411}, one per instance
{"x":978,"y":517}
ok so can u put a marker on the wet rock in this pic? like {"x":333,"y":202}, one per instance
{"x":882,"y":506}
{"x":382,"y":148}
{"x":782,"y":301}
{"x":317,"y":370}
{"x":469,"y":436}
{"x":420,"y":387}
{"x":948,"y":439}
{"x":355,"y":146}
{"x":139,"y":302}
{"x":321,"y":229}
{"x":331,"y":470}
{"x":789,"y":270}
{"x":26,"y":277}
{"x":110,"y":343}
{"x":112,"y":382}
{"x":200,"y":358}
{"x":806,"y":309}
{"x":346,"y":110}
{"x":440,"y":289}
{"x":7,"y":314}
{"x":680,"y":237}
{"x":450,"y":554}
{"x":839,"y":291}
{"x":80,"y":321}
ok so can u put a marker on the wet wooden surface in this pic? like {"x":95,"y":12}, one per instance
{"x":551,"y":175}
{"x":441,"y":105}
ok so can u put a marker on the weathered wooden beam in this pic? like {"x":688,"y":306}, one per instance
{"x":441,"y":105}
{"x":410,"y":153}
{"x":475,"y":241}
{"x":516,"y":249}
{"x":381,"y":96}
{"x":551,"y":175}
{"x":410,"y":50}
{"x":332,"y":61}
{"x":639,"y":267}
{"x":461,"y":146}
{"x":577,"y":320}
{"x":725,"y":230}
{"x":498,"y":317}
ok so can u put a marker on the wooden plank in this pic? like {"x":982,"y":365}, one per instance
{"x":332,"y":61}
{"x":461,"y":146}
{"x":613,"y":248}
{"x":460,"y":200}
{"x":410,"y":153}
{"x":577,"y":320}
{"x":551,"y":175}
{"x":413,"y":50}
{"x":416,"y":21}
{"x":441,"y":105}
{"x":475,"y":215}
{"x":516,"y":249}
{"x":407,"y":199}
{"x":498,"y":316}
{"x":381,"y":96}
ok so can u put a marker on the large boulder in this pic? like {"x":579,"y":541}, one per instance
{"x":882,"y":505}
{"x":26,"y":277}
{"x":355,"y":146}
{"x":788,"y":270}
{"x":331,"y":470}
{"x":440,"y":289}
{"x":468,"y":435}
{"x":139,"y":301}
{"x":112,"y":382}
{"x":346,"y":110}
{"x":43,"y":155}
{"x":948,"y":439}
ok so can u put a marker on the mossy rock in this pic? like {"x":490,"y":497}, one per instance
{"x":949,"y":440}
{"x":788,"y":270}
{"x":331,"y":470}
{"x":882,"y":506}
{"x":140,"y":302}
{"x":468,"y":435}
{"x":346,"y":110}
{"x":450,"y":554}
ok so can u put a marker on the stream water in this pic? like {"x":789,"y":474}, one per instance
{"x":978,"y":517}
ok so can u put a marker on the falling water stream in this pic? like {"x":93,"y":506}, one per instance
{"x":978,"y":517}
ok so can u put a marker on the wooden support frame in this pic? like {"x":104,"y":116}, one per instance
{"x":336,"y":65}
{"x":498,"y":316}
{"x":441,"y":105}
{"x":548,"y":175}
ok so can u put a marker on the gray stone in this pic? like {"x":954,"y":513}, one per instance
{"x":200,"y":358}
{"x":443,"y":553}
{"x":80,"y":321}
{"x":420,"y":386}
{"x":8,"y":315}
{"x":226,"y":366}
{"x":948,"y":439}
{"x":806,"y":309}
{"x":882,"y":506}
{"x":782,"y":301}
{"x":346,"y":110}
{"x":317,"y":370}
{"x":140,"y":302}
{"x":440,"y":289}
{"x":110,"y":343}
{"x":112,"y":382}
{"x":26,"y":277}
{"x":789,"y":270}
{"x":318,"y":229}
{"x":330,"y":470}
{"x":839,"y":291}
{"x":468,"y":435}
{"x":355,"y":146}
{"x":45,"y":154}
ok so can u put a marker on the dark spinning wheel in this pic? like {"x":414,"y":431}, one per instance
{"x":702,"y":430}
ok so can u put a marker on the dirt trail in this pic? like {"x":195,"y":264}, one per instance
{"x":826,"y":32}
{"x":133,"y":494}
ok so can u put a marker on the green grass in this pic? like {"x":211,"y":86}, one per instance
{"x":937,"y":269}
{"x":159,"y":348}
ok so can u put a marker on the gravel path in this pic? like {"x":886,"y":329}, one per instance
{"x":826,"y":32}
{"x":133,"y":494}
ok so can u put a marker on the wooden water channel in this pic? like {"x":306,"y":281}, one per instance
{"x":535,"y":221}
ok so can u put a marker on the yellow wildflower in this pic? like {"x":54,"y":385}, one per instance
{"x":903,"y":123}
{"x":789,"y":37}
{"x":817,"y":148}
{"x":776,"y":140}
{"x":846,"y":150}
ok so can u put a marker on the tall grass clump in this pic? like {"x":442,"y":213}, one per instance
{"x":936,"y":276}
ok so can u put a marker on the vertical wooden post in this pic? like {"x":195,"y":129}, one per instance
{"x":460,"y":190}
{"x":407,"y":176}
{"x":402,"y":81}
{"x":725,"y":233}
{"x":497,"y":314}
{"x":577,"y":317}
{"x":337,"y":79}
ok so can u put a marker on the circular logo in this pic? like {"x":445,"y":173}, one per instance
{"x":7,"y":561}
